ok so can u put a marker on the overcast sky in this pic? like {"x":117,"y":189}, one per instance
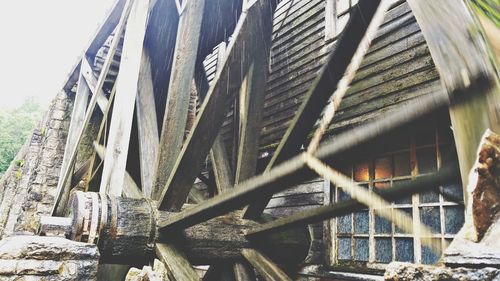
{"x":40,"y":42}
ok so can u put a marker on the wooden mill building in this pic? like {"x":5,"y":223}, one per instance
{"x":236,"y":140}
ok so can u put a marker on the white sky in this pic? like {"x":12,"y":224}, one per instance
{"x":40,"y":42}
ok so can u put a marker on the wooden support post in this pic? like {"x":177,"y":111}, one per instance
{"x":252,"y":97}
{"x":75,"y":127}
{"x":213,"y":111}
{"x":221,"y":166}
{"x":467,"y":72}
{"x":147,"y":126}
{"x":320,"y":91}
{"x":176,"y":262}
{"x":266,"y":267}
{"x":179,"y":90}
{"x":123,"y":110}
{"x":130,"y":188}
{"x":87,"y":73}
{"x":61,"y":193}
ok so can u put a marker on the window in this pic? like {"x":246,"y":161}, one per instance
{"x":363,"y":237}
{"x":336,"y":16}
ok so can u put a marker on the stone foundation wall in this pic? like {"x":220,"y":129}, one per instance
{"x":28,"y":187}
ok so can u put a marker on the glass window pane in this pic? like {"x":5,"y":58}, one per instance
{"x":361,"y":172}
{"x":404,"y":249}
{"x":344,"y":224}
{"x":427,"y":137}
{"x":402,"y":164}
{"x":430,"y":196}
{"x":408,"y":211}
{"x":383,"y":250}
{"x":382,"y":185}
{"x":453,"y":191}
{"x":383,"y":168}
{"x":428,"y":256}
{"x":361,"y":221}
{"x":426,"y":158}
{"x":344,"y":249}
{"x":382,"y":225}
{"x":403,"y":199}
{"x":343,"y":195}
{"x":430,"y":217}
{"x":453,"y":219}
{"x":361,"y":249}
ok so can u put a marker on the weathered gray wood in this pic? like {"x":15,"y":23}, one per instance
{"x":175,"y":262}
{"x":221,"y":166}
{"x":295,"y":170}
{"x":463,"y":60}
{"x":111,"y":21}
{"x":123,"y":110}
{"x":130,"y":188}
{"x":87,"y":72}
{"x":65,"y":173}
{"x":75,"y":127}
{"x":266,"y":267}
{"x":179,"y":91}
{"x":252,"y":96}
{"x":213,"y":111}
{"x":147,"y":126}
{"x":319,"y":92}
{"x":243,"y":272}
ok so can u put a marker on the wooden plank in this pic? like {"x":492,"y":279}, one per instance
{"x":179,"y":90}
{"x":466,"y":68}
{"x":266,"y":267}
{"x":222,"y":168}
{"x":123,"y":110}
{"x":62,"y":193}
{"x":87,"y":73}
{"x":252,"y":97}
{"x":175,"y":262}
{"x":295,"y":170}
{"x":76,"y":126}
{"x":111,"y":21}
{"x":213,"y":111}
{"x":130,"y":188}
{"x":147,"y":126}
{"x":319,"y":93}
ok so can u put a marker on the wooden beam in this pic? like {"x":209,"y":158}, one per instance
{"x":266,"y":267}
{"x":123,"y":110}
{"x":176,"y":262}
{"x":320,"y":91}
{"x":221,"y":166}
{"x":90,"y":78}
{"x":213,"y":110}
{"x":112,"y":19}
{"x":467,"y":71}
{"x":130,"y":188}
{"x":295,"y":169}
{"x":61,"y":192}
{"x":179,"y":90}
{"x":75,"y":127}
{"x":147,"y":126}
{"x":243,"y":272}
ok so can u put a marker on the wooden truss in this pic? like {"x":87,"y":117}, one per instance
{"x":162,"y":56}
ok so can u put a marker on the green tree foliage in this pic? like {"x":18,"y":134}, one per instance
{"x":16,"y":126}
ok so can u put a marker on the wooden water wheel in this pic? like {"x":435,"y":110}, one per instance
{"x":170,"y":39}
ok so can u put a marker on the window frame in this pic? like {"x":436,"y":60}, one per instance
{"x":332,"y":195}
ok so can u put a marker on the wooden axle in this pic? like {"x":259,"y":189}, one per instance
{"x":126,"y":231}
